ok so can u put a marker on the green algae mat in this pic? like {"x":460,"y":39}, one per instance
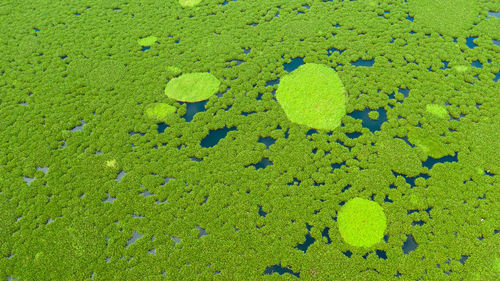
{"x":327,"y":140}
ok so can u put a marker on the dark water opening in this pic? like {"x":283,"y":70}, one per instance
{"x":325,"y":234}
{"x":162,"y":127}
{"x":445,"y":64}
{"x":354,"y":135}
{"x":347,"y":253}
{"x":192,"y":108}
{"x":405,"y":91}
{"x":224,"y":3}
{"x":429,"y":163}
{"x":477,"y":64}
{"x":309,"y":240}
{"x":295,"y":180}
{"x":272,"y":82}
{"x":346,"y":188}
{"x":372,"y":125}
{"x":246,"y":51}
{"x":419,"y":223}
{"x":497,"y":76}
{"x":496,"y":42}
{"x":409,"y":18}
{"x":280,"y":270}
{"x":145,"y":48}
{"x":268,"y":141}
{"x":259,"y":96}
{"x":135,"y":237}
{"x":77,"y":14}
{"x":410,"y":180}
{"x":248,"y":113}
{"x":333,"y":50}
{"x":294,"y":64}
{"x":387,"y":200}
{"x":135,"y":133}
{"x":214,"y":136}
{"x":494,"y":14}
{"x":469,"y":41}
{"x":386,"y":238}
{"x":336,"y":166}
{"x":365,"y":63}
{"x":409,"y":245}
{"x":381,"y":254}
{"x":261,"y":212}
{"x":311,"y":131}
{"x":263,"y":163}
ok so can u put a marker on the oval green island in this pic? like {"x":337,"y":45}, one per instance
{"x":192,"y":87}
{"x":361,"y":222}
{"x":313,"y":95}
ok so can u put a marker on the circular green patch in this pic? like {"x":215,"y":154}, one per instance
{"x":436,"y":109}
{"x":192,"y":87}
{"x":313,"y":95}
{"x":159,"y":111}
{"x":147,"y":41}
{"x":189,"y":3}
{"x":450,"y":17}
{"x":361,"y":222}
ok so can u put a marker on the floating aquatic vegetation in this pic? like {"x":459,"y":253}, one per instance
{"x":192,"y":87}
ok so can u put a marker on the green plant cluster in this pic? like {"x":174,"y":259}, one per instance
{"x":90,"y":190}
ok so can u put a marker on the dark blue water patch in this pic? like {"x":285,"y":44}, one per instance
{"x":36,"y":29}
{"x":300,"y":13}
{"x":214,"y":136}
{"x":419,"y":223}
{"x":261,"y":212}
{"x":346,"y":188}
{"x":294,"y":64}
{"x":311,"y":131}
{"x":365,"y":63}
{"x":286,"y":133}
{"x":342,"y":203}
{"x":162,"y":127}
{"x":177,"y":42}
{"x":145,"y":48}
{"x":280,"y":270}
{"x":386,"y":238}
{"x":295,"y":180}
{"x":409,"y":245}
{"x":333,"y":50}
{"x":259,"y":96}
{"x":309,"y":240}
{"x":336,"y":165}
{"x":392,"y":186}
{"x":347,"y":253}
{"x":381,"y":254}
{"x":325,"y":234}
{"x":477,"y":64}
{"x":497,"y":76}
{"x":488,"y":173}
{"x":263,"y":163}
{"x":248,"y":113}
{"x":224,"y":3}
{"x":429,"y":163}
{"x":77,"y":14}
{"x":405,"y":91}
{"x":409,"y":180}
{"x":409,"y":18}
{"x":445,"y":65}
{"x":195,"y":159}
{"x":494,"y":14}
{"x":246,"y":51}
{"x":63,"y":57}
{"x":268,"y":141}
{"x":272,"y":82}
{"x":387,"y":200}
{"x":469,"y":41}
{"x":192,"y":108}
{"x":372,"y":125}
{"x":306,"y":6}
{"x":136,"y":133}
{"x":354,"y":135}
{"x":409,"y":212}
{"x":496,"y":42}
{"x":463,"y":259}
{"x":397,"y":275}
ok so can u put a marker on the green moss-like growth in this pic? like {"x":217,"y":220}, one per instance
{"x":313,"y":95}
{"x":430,"y":144}
{"x":399,"y":157}
{"x":361,"y":222}
{"x":192,"y":87}
{"x":159,"y":111}
{"x":189,"y":3}
{"x":373,"y":115}
{"x":147,"y":41}
{"x":436,"y":109}
{"x":449,"y":17}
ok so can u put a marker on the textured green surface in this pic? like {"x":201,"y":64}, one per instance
{"x":159,"y":111}
{"x":189,"y":3}
{"x":66,"y":214}
{"x":147,"y":41}
{"x":313,"y":95}
{"x":436,"y":109}
{"x":192,"y":87}
{"x":361,"y":222}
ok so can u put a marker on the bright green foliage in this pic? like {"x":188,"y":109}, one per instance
{"x":192,"y":87}
{"x":80,"y":106}
{"x":189,"y":3}
{"x":159,"y":111}
{"x":147,"y":41}
{"x":432,"y":145}
{"x":313,"y":95}
{"x":373,"y":115}
{"x":451,"y":17}
{"x":436,"y":109}
{"x":361,"y":222}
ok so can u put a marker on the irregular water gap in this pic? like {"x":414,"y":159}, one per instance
{"x":214,"y":136}
{"x":308,"y":242}
{"x":277,"y":268}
